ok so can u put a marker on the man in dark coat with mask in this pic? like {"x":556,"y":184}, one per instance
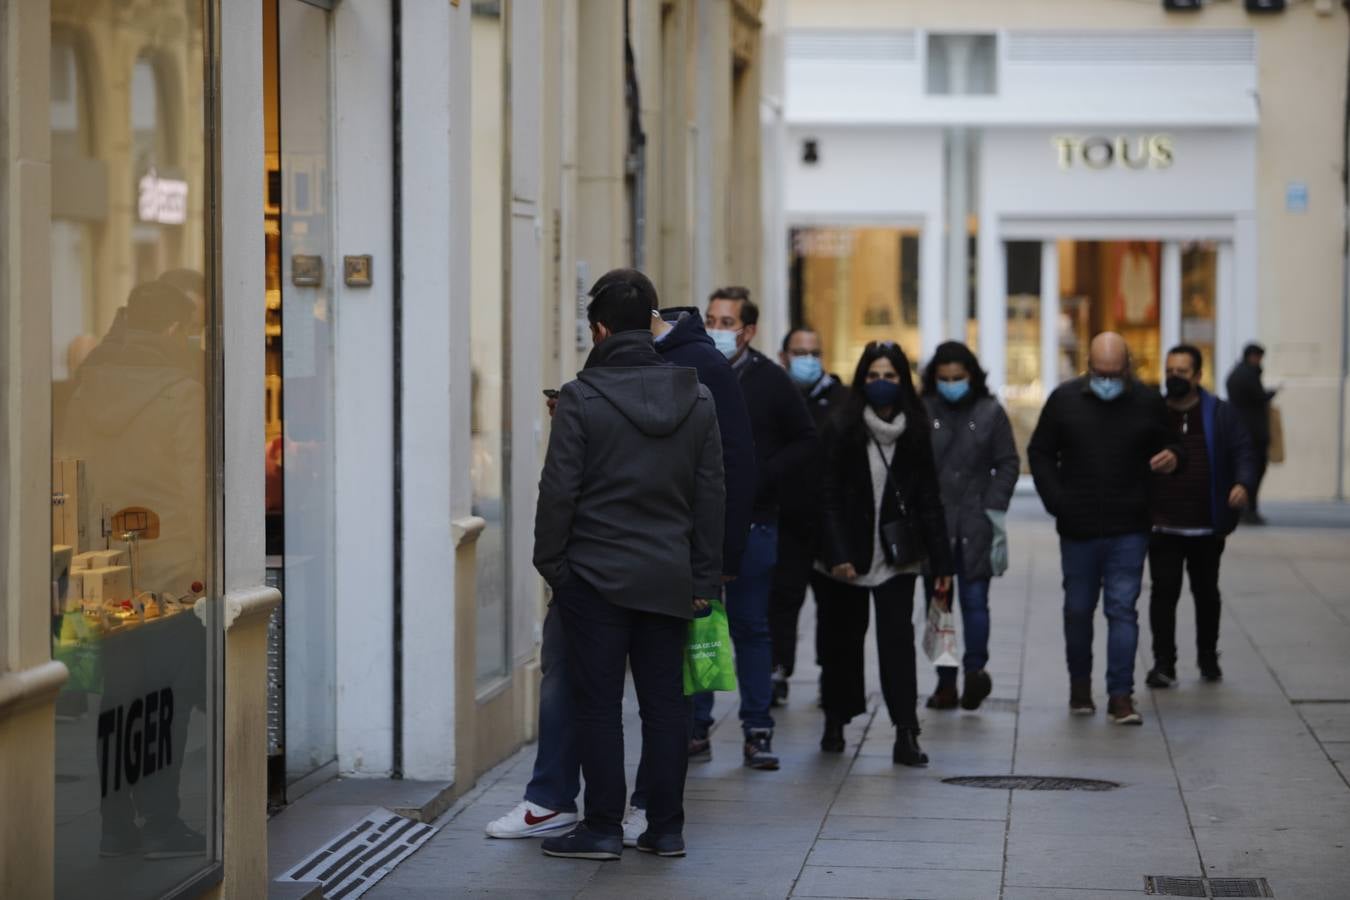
{"x":1251,"y":400}
{"x":1098,"y":439}
{"x":628,"y":534}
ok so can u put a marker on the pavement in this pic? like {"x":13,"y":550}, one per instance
{"x":1247,"y":779}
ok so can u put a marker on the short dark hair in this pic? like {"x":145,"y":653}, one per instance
{"x":188,"y":280}
{"x":155,"y":306}
{"x":796,"y":329}
{"x":1253,"y":350}
{"x":955,"y":352}
{"x":1193,"y":352}
{"x":622,"y":300}
{"x":749,"y":311}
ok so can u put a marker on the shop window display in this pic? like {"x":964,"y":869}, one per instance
{"x":132,"y":564}
{"x":855,"y":285}
{"x":1110,"y":286}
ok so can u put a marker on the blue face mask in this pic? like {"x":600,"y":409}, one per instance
{"x":882,"y":393}
{"x":805,"y":370}
{"x":954,"y":391}
{"x":725,"y":341}
{"x":1107,"y":389}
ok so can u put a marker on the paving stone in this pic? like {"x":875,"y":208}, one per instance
{"x":1234,"y":774}
{"x":931,"y":884}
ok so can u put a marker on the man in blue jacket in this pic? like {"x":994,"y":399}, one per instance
{"x":1193,"y":511}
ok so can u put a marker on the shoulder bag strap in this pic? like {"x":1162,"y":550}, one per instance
{"x":890,"y":480}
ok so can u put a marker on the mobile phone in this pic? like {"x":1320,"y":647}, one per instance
{"x":551,"y":393}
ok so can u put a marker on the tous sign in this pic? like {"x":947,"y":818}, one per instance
{"x":1145,"y":152}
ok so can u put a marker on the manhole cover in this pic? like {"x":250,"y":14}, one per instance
{"x":1190,"y":886}
{"x":1032,"y":783}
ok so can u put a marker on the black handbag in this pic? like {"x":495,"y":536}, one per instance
{"x":901,"y":542}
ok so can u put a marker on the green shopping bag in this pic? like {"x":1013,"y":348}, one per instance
{"x":708,"y":662}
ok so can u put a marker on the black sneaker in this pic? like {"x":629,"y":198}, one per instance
{"x":759,"y":750}
{"x":120,"y":841}
{"x":1080,"y":698}
{"x":780,"y":686}
{"x":1210,"y":671}
{"x":580,"y":843}
{"x":978,"y":686}
{"x":667,"y":845}
{"x":1161,"y":676}
{"x":173,"y":840}
{"x":700,"y":746}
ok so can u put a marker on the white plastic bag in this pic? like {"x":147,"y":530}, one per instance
{"x":939,"y":637}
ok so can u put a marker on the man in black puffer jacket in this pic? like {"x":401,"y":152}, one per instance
{"x":1098,"y":440}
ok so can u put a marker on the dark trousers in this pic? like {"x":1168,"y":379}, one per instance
{"x":1262,"y":462}
{"x":791,"y":576}
{"x":1168,"y":554}
{"x":843,"y":614}
{"x":601,"y":640}
{"x":1112,"y":569}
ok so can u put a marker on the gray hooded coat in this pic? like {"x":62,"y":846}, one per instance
{"x":977,"y":472}
{"x":632,"y":498}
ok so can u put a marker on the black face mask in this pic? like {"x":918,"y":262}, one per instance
{"x":1177,"y":387}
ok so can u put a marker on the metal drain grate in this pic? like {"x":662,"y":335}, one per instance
{"x":1239,"y":887}
{"x":1190,"y":886}
{"x":1034,"y":783}
{"x":350,"y":864}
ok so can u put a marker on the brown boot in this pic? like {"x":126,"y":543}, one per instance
{"x":1121,"y":710}
{"x":1080,"y":698}
{"x":943,"y":698}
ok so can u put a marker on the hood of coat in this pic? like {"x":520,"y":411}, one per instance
{"x":127,"y":373}
{"x":688,"y":329}
{"x":656,"y":399}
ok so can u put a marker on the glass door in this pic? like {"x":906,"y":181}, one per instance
{"x":300,"y":377}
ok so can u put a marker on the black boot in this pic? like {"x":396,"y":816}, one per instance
{"x":907,"y":751}
{"x":832,"y":741}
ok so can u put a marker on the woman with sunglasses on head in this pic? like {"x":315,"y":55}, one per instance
{"x":977,"y":471}
{"x":882,"y":519}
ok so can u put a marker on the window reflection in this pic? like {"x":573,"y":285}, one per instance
{"x":130,"y":552}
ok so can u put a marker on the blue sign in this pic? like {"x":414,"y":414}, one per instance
{"x":1296,"y":197}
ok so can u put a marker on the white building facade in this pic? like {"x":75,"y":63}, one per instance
{"x":1020,"y":178}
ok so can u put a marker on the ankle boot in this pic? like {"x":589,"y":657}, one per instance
{"x":907,"y":751}
{"x":832,"y":741}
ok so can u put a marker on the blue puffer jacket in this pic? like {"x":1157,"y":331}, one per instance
{"x":1232,"y":458}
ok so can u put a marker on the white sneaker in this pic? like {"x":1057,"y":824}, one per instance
{"x":634,"y":824}
{"x":529,"y":820}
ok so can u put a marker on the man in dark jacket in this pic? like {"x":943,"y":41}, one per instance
{"x":785,"y":440}
{"x":628,"y":534}
{"x":1098,"y":439}
{"x":1193,"y":511}
{"x":682,"y":340}
{"x":799,"y":506}
{"x":1251,"y":400}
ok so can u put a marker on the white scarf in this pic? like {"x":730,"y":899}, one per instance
{"x":886,"y":434}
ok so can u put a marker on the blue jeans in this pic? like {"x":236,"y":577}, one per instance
{"x":973,"y":595}
{"x":557,"y":767}
{"x":748,"y":618}
{"x":1113,"y":567}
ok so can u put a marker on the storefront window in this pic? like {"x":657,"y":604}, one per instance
{"x":488,"y":342}
{"x":855,"y":285}
{"x":136,"y":728}
{"x":1199,"y":292}
{"x":1024,"y":388}
{"x":1110,"y":286}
